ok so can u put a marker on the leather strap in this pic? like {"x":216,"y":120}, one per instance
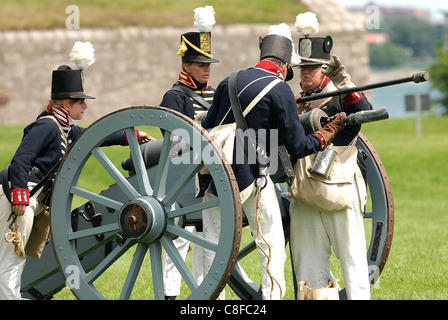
{"x":193,"y":95}
{"x":239,"y":115}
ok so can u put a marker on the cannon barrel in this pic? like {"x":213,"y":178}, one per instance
{"x":416,"y":78}
{"x":151,"y":152}
{"x":314,"y":119}
{"x":367,"y":116}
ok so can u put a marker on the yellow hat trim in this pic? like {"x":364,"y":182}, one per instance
{"x":183,"y":48}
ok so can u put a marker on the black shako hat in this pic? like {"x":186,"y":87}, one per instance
{"x":196,"y":47}
{"x":315,"y":50}
{"x":276,"y":46}
{"x":67,"y":84}
{"x":279,"y":47}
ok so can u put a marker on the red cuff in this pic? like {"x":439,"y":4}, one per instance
{"x":321,"y":140}
{"x":137,"y":133}
{"x":352,"y":98}
{"x":20,"y":196}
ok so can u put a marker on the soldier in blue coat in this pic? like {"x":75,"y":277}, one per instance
{"x":275,"y":113}
{"x":192,"y":96}
{"x":44,"y":143}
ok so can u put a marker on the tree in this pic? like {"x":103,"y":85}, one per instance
{"x":439,"y":72}
{"x":387,"y":55}
{"x":415,"y":34}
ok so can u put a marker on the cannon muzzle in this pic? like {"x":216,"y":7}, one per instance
{"x":361,"y":117}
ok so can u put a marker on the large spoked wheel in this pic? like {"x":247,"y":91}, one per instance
{"x":138,"y":215}
{"x":380,"y":212}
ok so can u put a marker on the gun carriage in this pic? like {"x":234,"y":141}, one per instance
{"x":144,"y":211}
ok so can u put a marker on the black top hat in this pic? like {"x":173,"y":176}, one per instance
{"x":276,"y":46}
{"x":279,"y":47}
{"x":196,"y":47}
{"x":67,"y":84}
{"x":315,"y":51}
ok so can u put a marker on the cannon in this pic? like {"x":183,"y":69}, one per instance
{"x":94,"y":226}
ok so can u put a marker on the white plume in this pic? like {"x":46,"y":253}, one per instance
{"x":295,"y":58}
{"x":204,"y":18}
{"x":82,"y":54}
{"x":281,"y":29}
{"x":307,"y":24}
{"x":284,"y":30}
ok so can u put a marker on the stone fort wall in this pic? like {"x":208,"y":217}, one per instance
{"x":135,"y":66}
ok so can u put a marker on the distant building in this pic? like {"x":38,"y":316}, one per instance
{"x":394,"y":12}
{"x":377,"y":38}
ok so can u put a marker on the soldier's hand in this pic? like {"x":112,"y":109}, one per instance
{"x":301,"y":107}
{"x":144,"y":137}
{"x":335,"y":70}
{"x":332,"y":128}
{"x":18,"y":209}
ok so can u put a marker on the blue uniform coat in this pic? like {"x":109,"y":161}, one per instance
{"x":276,"y":110}
{"x":43,"y":146}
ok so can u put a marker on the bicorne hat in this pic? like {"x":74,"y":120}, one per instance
{"x":67,"y":84}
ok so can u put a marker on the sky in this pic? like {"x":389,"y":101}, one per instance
{"x":434,"y":5}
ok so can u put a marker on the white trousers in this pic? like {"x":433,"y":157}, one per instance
{"x":171,"y":276}
{"x":312,"y":235}
{"x":272,"y":230}
{"x":11,"y":265}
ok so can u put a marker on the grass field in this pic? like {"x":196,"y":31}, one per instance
{"x":44,"y":14}
{"x":417,"y":169}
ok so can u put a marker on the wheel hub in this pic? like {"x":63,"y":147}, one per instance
{"x":142,"y":219}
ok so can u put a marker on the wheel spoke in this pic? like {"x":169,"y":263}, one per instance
{"x":201,"y":241}
{"x":162,"y":170}
{"x":121,"y":181}
{"x":180,"y":264}
{"x":136,"y":264}
{"x":181,"y":183}
{"x":193,"y":208}
{"x":113,"y":227}
{"x":96,"y":198}
{"x":139,"y":163}
{"x":108,"y":261}
{"x":155,"y":252}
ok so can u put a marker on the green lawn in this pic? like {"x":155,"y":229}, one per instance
{"x":45,"y":14}
{"x":417,"y":169}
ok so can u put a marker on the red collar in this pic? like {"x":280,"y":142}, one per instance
{"x":188,"y":80}
{"x":270,"y":67}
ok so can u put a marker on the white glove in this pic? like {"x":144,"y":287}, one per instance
{"x":200,"y":116}
{"x":335,"y":70}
